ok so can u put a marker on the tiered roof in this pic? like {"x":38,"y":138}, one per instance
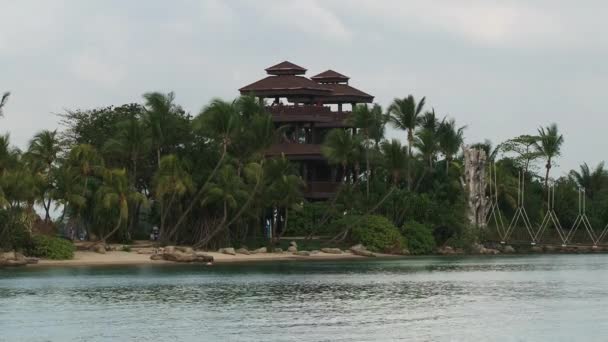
{"x":330,"y":76}
{"x":327,"y":87}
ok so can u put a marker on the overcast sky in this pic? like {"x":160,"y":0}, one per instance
{"x":502,"y":68}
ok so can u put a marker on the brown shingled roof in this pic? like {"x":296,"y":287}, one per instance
{"x":285,"y":68}
{"x":285,"y":84}
{"x":330,"y":76}
{"x":347,"y":93}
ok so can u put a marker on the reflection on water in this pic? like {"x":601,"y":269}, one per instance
{"x":556,"y":298}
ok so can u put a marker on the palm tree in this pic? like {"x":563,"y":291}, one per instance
{"x":172,"y":181}
{"x":450,"y":140}
{"x":67,"y":191}
{"x":115,"y":193}
{"x":549,"y":144}
{"x":490,"y":151}
{"x":159,"y":109}
{"x":220,"y":121}
{"x":131,"y":141}
{"x":3,"y":101}
{"x":341,"y":148}
{"x":395,"y":159}
{"x":404,"y":114}
{"x":591,"y":181}
{"x":43,"y":151}
{"x":365,"y":119}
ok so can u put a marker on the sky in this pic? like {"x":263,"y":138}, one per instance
{"x":502,"y":68}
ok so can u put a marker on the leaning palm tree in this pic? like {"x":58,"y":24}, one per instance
{"x":3,"y":101}
{"x":115,"y":193}
{"x":364,"y":119}
{"x":405,"y":115}
{"x":450,"y":140}
{"x":219,"y":121}
{"x":549,"y":144}
{"x":590,"y":180}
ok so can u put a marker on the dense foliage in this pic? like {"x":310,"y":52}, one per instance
{"x":112,"y":173}
{"x":377,"y":233}
{"x":51,"y":248}
{"x":419,"y":238}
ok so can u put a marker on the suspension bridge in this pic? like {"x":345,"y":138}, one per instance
{"x":520,"y":230}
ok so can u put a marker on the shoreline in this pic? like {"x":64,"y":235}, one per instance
{"x":120,"y":258}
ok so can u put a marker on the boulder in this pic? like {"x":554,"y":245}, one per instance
{"x":477,"y":248}
{"x":184,"y":249}
{"x":169,"y":249}
{"x":144,"y":250}
{"x":446,"y":250}
{"x":303,"y":253}
{"x":179,"y":257}
{"x":508,"y":249}
{"x":227,"y":250}
{"x":292,"y":249}
{"x":243,"y":251}
{"x":277,"y":250}
{"x":405,"y":251}
{"x":31,"y":261}
{"x":98,"y":248}
{"x":157,"y":257}
{"x":363,"y":252}
{"x":7,"y":255}
{"x":315,"y":251}
{"x":12,"y":259}
{"x":490,"y":251}
{"x":294,"y":244}
{"x":260,"y":250}
{"x":203,"y":257}
{"x":331,"y":250}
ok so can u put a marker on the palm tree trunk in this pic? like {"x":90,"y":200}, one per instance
{"x":200,"y":191}
{"x":284,"y":223}
{"x":223,"y":224}
{"x":410,"y":141}
{"x":548,"y":167}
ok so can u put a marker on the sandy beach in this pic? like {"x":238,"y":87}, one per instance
{"x":86,"y":258}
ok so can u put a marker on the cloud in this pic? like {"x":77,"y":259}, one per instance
{"x":479,"y":22}
{"x":88,"y":67}
{"x":308,"y":17}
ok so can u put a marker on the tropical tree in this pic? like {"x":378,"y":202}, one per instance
{"x":342,"y":148}
{"x":159,"y":114}
{"x":450,"y":140}
{"x":549,"y":145}
{"x":132,"y":142}
{"x":172,"y":182}
{"x":405,"y":115}
{"x":43,"y":152}
{"x":115,"y":194}
{"x":365,"y":119}
{"x":592,"y":181}
{"x":3,"y":101}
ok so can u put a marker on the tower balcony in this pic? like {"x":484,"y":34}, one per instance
{"x":320,"y":190}
{"x":296,"y":151}
{"x":307,"y":113}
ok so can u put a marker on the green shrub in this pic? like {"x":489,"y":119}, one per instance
{"x":310,"y":218}
{"x":419,"y":238}
{"x":376,"y":233}
{"x":52,"y":247}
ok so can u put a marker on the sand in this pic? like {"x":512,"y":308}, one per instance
{"x":86,"y":258}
